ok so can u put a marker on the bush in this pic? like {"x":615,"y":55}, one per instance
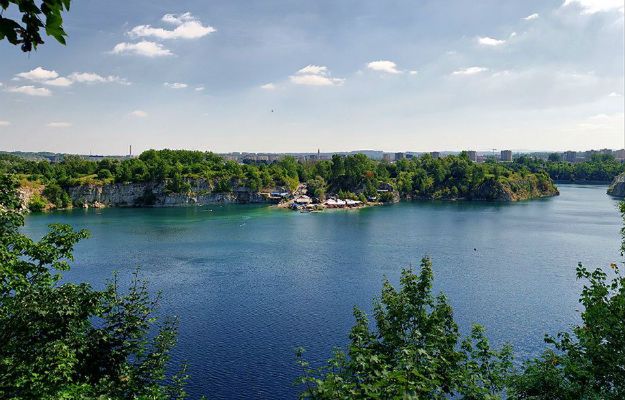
{"x":177,"y":184}
{"x":57,"y":196}
{"x":62,"y":340}
{"x":105,"y":174}
{"x":589,"y":362}
{"x":415,"y":352}
{"x":346,"y":195}
{"x":386,"y":197}
{"x":37,"y":203}
{"x":317,"y":188}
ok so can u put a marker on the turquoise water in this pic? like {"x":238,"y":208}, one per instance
{"x":250,"y":283}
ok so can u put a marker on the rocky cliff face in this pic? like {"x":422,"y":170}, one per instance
{"x":26,"y":194}
{"x":492,"y":190}
{"x":28,"y":191}
{"x":156,"y":195}
{"x":514,"y":190}
{"x":617,"y":187}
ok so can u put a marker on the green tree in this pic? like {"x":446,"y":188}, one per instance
{"x":37,"y":203}
{"x":414,"y":353}
{"x":177,"y":184}
{"x":35,"y":15}
{"x":253,"y":179}
{"x":317,"y":188}
{"x":57,"y":196}
{"x":555,"y":157}
{"x":69,"y":341}
{"x":105,"y":174}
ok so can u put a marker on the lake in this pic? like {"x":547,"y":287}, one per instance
{"x":251,"y":283}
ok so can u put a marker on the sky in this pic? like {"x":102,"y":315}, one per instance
{"x":297,"y":76}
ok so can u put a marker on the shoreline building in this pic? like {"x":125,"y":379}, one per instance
{"x":570,"y":156}
{"x":506,"y":155}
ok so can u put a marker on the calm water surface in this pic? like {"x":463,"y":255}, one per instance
{"x":250,"y":283}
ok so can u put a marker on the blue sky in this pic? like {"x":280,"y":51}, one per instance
{"x":274,"y":76}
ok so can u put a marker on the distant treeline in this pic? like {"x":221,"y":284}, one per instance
{"x":600,"y":168}
{"x":350,"y":176}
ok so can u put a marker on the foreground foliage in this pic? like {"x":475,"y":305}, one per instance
{"x":415,"y":352}
{"x":69,"y":341}
{"x":36,"y":15}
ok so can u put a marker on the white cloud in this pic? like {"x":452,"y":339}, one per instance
{"x":315,"y":75}
{"x":614,"y":94}
{"x":314,"y":70}
{"x":489,"y":41}
{"x":384,"y":66}
{"x":38,"y":74}
{"x":139,"y":114}
{"x":199,"y":88}
{"x":315,"y":80}
{"x":178,"y":19}
{"x":603,"y":122}
{"x":536,"y":88}
{"x":31,"y":91}
{"x":142,"y":48}
{"x":470,"y":71}
{"x":268,"y":86}
{"x":90,"y":77}
{"x":60,"y":81}
{"x":52,"y":78}
{"x":532,"y":17}
{"x":413,"y":72}
{"x":175,"y":85}
{"x":595,"y":6}
{"x":188,"y":27}
{"x":4,"y":123}
{"x":59,"y":124}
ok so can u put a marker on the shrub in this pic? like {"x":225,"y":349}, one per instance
{"x":386,"y":197}
{"x":57,"y":196}
{"x":415,"y":352}
{"x":64,"y":340}
{"x":105,"y":174}
{"x":37,"y":203}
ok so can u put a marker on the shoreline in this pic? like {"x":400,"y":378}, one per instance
{"x":593,"y":183}
{"x":286,"y":205}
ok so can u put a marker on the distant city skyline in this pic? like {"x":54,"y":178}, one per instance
{"x":280,"y":76}
{"x":567,"y":155}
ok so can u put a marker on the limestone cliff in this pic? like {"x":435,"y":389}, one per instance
{"x":505,"y":189}
{"x":617,"y":187}
{"x":31,"y":193}
{"x":156,"y":195}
